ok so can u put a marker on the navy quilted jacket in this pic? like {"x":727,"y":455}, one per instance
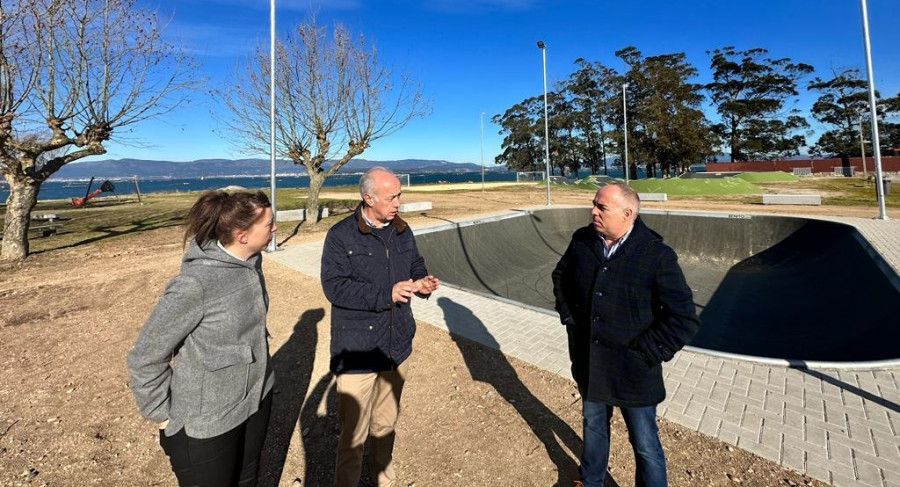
{"x":369,"y":333}
{"x":624,"y":316}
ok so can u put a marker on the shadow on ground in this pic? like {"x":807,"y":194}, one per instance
{"x":488,"y":364}
{"x":293,"y":365}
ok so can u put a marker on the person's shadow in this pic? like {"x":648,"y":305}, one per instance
{"x":488,"y":364}
{"x":293,"y":366}
{"x":319,"y":432}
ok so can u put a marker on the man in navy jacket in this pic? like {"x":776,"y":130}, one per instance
{"x":627,"y":308}
{"x":370,"y":270}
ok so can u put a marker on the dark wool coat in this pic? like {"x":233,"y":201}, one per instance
{"x":624,"y":316}
{"x":369,"y":333}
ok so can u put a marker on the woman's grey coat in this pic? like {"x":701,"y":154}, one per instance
{"x":202,"y":359}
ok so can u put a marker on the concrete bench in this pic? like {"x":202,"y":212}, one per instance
{"x":653,"y":196}
{"x":297,"y":215}
{"x":417,"y":206}
{"x":45,"y":229}
{"x":792,"y":199}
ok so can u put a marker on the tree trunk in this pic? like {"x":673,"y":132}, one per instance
{"x":22,"y":198}
{"x":316,"y":180}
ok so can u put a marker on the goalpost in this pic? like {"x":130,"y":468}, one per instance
{"x":400,"y":177}
{"x":527,"y":176}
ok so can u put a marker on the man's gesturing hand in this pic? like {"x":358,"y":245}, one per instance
{"x":427,"y":284}
{"x":402,"y":291}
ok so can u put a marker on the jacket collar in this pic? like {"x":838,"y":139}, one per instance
{"x":399,"y":224}
{"x":640,"y":236}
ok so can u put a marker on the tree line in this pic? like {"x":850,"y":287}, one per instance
{"x":754,"y":97}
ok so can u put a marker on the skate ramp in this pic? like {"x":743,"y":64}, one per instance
{"x":766,"y":286}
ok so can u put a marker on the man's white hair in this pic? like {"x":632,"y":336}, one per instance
{"x":367,"y":181}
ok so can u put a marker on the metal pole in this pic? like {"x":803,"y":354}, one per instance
{"x":137,"y":190}
{"x":862,"y":148}
{"x":879,"y":190}
{"x":273,"y":244}
{"x":625,"y":128}
{"x":482,"y":152}
{"x":541,"y":45}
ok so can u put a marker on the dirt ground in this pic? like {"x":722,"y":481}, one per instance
{"x":471,"y":417}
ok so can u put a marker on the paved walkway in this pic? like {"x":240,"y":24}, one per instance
{"x":838,"y":426}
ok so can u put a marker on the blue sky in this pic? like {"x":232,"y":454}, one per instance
{"x":474,"y":56}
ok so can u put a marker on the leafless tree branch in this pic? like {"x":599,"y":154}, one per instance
{"x":333,"y":100}
{"x":72,"y":74}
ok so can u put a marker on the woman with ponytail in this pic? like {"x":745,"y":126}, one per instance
{"x":200,"y":367}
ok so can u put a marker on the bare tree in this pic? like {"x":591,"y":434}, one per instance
{"x":333,"y":99}
{"x":72,"y":73}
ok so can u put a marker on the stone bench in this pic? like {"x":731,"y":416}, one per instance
{"x":792,"y":199}
{"x":653,"y":196}
{"x":417,"y":206}
{"x":45,"y":225}
{"x":297,"y":215}
{"x":44,"y":230}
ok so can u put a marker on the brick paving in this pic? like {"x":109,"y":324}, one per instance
{"x":836,"y":425}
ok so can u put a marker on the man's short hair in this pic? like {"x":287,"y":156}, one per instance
{"x":629,"y":197}
{"x":367,"y":181}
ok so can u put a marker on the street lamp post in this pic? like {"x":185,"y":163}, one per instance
{"x":862,"y":147}
{"x":273,"y":244}
{"x":542,"y":47}
{"x":879,"y":190}
{"x":482,"y":152}
{"x":625,"y":128}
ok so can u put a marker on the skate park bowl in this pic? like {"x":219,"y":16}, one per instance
{"x":776,"y":289}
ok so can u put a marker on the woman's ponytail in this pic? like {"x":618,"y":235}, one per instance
{"x":217,"y":214}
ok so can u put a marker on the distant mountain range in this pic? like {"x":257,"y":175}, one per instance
{"x":122,"y":168}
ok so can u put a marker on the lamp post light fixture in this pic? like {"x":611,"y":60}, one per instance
{"x":879,"y":186}
{"x":543,"y":48}
{"x":625,"y":128}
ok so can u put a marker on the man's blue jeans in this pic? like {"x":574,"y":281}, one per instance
{"x":643,"y":435}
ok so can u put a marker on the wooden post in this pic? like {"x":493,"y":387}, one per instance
{"x":137,"y":189}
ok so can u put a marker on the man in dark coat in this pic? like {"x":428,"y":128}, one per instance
{"x":370,"y":270}
{"x":627,"y":308}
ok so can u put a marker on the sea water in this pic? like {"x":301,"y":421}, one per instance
{"x":68,"y":189}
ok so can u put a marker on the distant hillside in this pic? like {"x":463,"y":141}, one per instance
{"x":122,"y":168}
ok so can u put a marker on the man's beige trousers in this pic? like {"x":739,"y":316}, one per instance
{"x":368,"y":405}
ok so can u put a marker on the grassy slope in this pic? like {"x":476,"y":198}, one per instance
{"x":696,"y":186}
{"x":767,"y":177}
